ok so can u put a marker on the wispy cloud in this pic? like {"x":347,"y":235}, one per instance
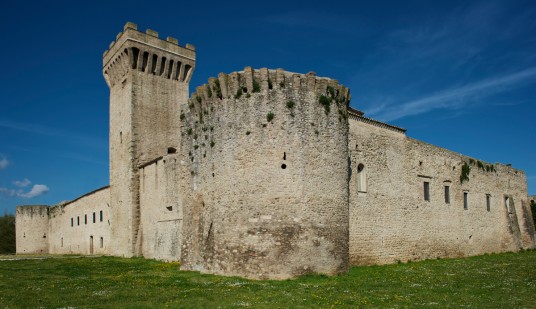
{"x":3,"y":163}
{"x":36,"y":190}
{"x":50,"y":131}
{"x":22,"y":183}
{"x":457,"y":97}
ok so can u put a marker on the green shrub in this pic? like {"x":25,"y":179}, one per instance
{"x":198,"y":98}
{"x":331,"y":91}
{"x":256,"y":86}
{"x":182,"y":116}
{"x":325,"y":101}
{"x":290,"y":104}
{"x":270,"y":116}
{"x":238,"y":93}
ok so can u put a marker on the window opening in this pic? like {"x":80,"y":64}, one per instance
{"x":72,"y":221}
{"x":447,"y":194}
{"x":170,"y":208}
{"x":488,"y":202}
{"x":94,"y":217}
{"x":171,"y":150}
{"x":100,"y":214}
{"x":102,"y":242}
{"x":465,"y":201}
{"x":361,"y":178}
{"x":427,"y":191}
{"x":62,"y":242}
{"x":77,"y":220}
{"x":85,"y":219}
{"x":283,"y":166}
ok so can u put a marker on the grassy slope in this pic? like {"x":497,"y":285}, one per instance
{"x":491,"y":281}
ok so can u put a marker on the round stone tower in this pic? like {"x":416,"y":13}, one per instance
{"x":265,"y":174}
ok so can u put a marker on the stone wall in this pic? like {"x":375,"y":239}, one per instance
{"x":31,"y":229}
{"x":390,"y":220}
{"x":160,"y":209}
{"x":265,"y":180}
{"x":81,"y":226}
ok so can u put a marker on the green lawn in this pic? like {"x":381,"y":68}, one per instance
{"x":490,"y":281}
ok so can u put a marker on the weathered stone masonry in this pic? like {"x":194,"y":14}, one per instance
{"x":269,"y":174}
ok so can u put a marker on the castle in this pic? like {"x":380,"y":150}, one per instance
{"x":269,"y":174}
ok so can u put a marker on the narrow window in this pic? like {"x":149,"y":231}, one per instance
{"x":465,"y":202}
{"x":427,"y":191}
{"x":121,"y":137}
{"x":85,"y":219}
{"x":72,"y":221}
{"x":100,"y":214}
{"x":102,"y":242}
{"x":94,"y":217}
{"x":77,"y":220}
{"x":507,"y":204}
{"x":488,"y":202}
{"x":62,"y":242}
{"x":361,"y":178}
{"x":447,"y":194}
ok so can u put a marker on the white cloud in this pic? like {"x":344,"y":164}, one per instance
{"x":3,"y":163}
{"x":22,"y":183}
{"x":36,"y":191}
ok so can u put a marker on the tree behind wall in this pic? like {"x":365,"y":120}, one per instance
{"x":7,"y":234}
{"x":533,"y":209}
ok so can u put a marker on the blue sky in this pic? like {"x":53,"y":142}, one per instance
{"x":457,"y":74}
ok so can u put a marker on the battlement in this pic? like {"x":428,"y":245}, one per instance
{"x":146,"y":52}
{"x":265,"y":81}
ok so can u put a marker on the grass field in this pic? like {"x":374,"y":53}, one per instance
{"x":490,"y":281}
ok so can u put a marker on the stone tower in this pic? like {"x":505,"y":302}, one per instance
{"x":148,"y":79}
{"x":265,"y":168}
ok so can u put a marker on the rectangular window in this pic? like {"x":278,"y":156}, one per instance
{"x":85,"y":219}
{"x":102,"y":242}
{"x":465,"y":202}
{"x":77,"y":220}
{"x":426,"y":191}
{"x":62,"y":242}
{"x":72,"y":221}
{"x":488,"y":202}
{"x":100,"y":214}
{"x":93,"y":217}
{"x":447,"y":194}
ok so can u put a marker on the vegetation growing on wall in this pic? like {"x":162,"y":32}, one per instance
{"x":270,"y":117}
{"x":256,"y":86}
{"x":466,"y":169}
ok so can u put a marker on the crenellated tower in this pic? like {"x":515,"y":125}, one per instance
{"x":148,"y":79}
{"x":265,"y":157}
